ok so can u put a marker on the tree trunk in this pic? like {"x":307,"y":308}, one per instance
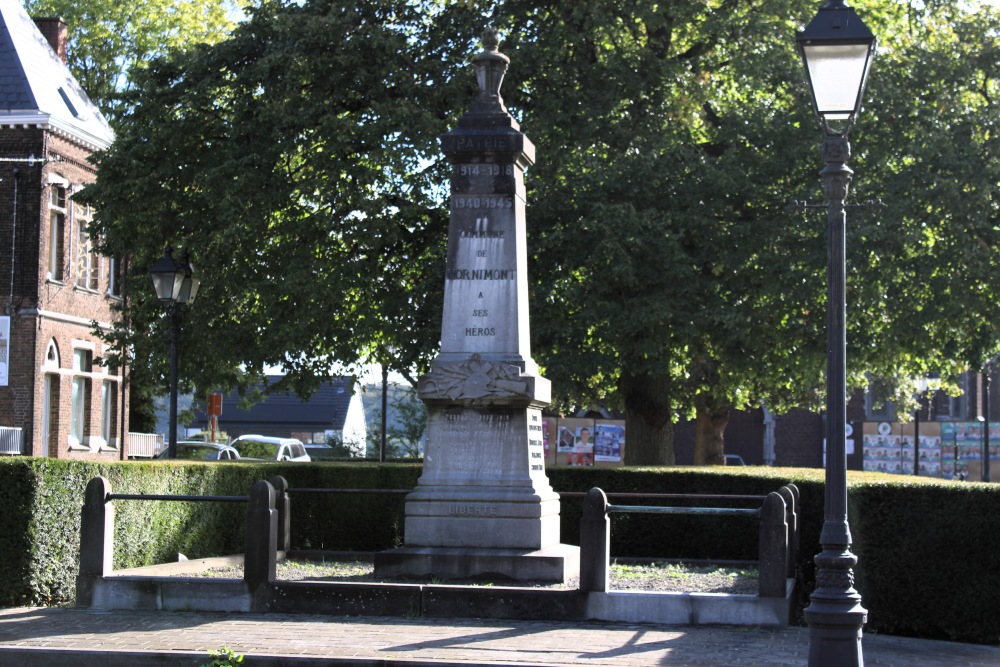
{"x":649,"y":425}
{"x":710,"y":425}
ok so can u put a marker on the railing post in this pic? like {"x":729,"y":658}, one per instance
{"x":282,"y":505}
{"x":790,"y":494}
{"x":260,"y":559}
{"x":97,"y":535}
{"x":595,"y":542}
{"x":773,"y":547}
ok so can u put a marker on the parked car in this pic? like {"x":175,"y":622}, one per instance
{"x":195,"y":450}
{"x":734,"y":460}
{"x":269,"y":448}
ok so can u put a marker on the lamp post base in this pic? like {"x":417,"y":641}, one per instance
{"x":835,"y":636}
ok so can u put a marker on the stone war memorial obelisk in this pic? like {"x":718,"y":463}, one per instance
{"x":483,"y":505}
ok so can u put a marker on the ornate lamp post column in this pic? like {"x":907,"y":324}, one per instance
{"x":836,"y":49}
{"x":175,"y":284}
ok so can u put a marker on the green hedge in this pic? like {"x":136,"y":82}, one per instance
{"x":926,"y":549}
{"x":928,"y":557}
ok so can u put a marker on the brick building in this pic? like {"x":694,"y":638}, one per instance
{"x":56,"y":399}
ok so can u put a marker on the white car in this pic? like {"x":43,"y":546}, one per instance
{"x":269,"y":448}
{"x":192,"y":450}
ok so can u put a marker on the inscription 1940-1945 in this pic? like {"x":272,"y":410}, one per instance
{"x":482,"y":203}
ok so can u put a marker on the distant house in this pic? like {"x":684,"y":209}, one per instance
{"x":333,"y":411}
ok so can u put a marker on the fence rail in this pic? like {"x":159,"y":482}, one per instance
{"x":11,"y":440}
{"x":193,"y":499}
{"x":717,"y":511}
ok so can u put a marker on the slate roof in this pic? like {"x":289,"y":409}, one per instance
{"x":325,"y":409}
{"x":37,"y":89}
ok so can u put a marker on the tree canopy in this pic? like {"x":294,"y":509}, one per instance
{"x":110,"y":40}
{"x":297,"y":162}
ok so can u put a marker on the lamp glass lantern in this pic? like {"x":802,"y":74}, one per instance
{"x":174,"y":281}
{"x":189,"y":286}
{"x":168,"y":277}
{"x":836,"y":49}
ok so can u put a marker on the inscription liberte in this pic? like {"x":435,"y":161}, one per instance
{"x":472,"y":510}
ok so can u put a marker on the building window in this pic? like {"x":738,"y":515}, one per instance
{"x":88,"y":262}
{"x":109,"y":404}
{"x":57,"y":228}
{"x":79,"y":422}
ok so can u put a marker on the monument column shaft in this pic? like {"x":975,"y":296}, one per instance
{"x":483,"y":504}
{"x":486,"y":286}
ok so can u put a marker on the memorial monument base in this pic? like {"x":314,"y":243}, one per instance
{"x":558,"y":563}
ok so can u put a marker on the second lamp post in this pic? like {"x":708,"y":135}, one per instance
{"x":836,"y":49}
{"x":175,"y":284}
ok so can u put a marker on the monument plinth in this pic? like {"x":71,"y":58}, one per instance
{"x":483,"y":505}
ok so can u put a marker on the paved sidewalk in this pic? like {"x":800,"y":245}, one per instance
{"x":46,"y":636}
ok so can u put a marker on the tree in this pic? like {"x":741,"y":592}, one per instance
{"x":668,"y":275}
{"x":941,"y":82}
{"x":296,"y":163}
{"x":111,"y":40}
{"x":672,"y":277}
{"x":670,"y":134}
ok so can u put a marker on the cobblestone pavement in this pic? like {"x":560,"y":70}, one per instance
{"x":29,"y":634}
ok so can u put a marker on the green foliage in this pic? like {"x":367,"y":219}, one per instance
{"x":407,"y":421}
{"x":304,"y":146}
{"x":223,"y":657}
{"x":926,"y":545}
{"x":110,"y":41}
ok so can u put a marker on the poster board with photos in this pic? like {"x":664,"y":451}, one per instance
{"x":889,"y":447}
{"x":576,"y":441}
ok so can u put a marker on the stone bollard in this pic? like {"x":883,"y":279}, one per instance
{"x":773,"y":547}
{"x":260,"y":559}
{"x":595,"y":543}
{"x":283,"y":506}
{"x":97,"y":535}
{"x":790,"y":494}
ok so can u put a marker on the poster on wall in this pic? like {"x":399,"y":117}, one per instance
{"x":4,"y":348}
{"x":883,"y":452}
{"x":576,"y":441}
{"x":962,"y":442}
{"x":565,"y":440}
{"x":609,"y":439}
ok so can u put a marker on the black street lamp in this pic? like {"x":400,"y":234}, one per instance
{"x":837,"y":50}
{"x":175,"y":284}
{"x":922,"y":386}
{"x":987,"y":374}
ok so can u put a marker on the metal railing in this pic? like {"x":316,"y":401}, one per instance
{"x":778,"y":528}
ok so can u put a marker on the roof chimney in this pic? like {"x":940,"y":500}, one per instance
{"x":55,"y":31}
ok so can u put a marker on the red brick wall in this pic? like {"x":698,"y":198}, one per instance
{"x":45,"y":311}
